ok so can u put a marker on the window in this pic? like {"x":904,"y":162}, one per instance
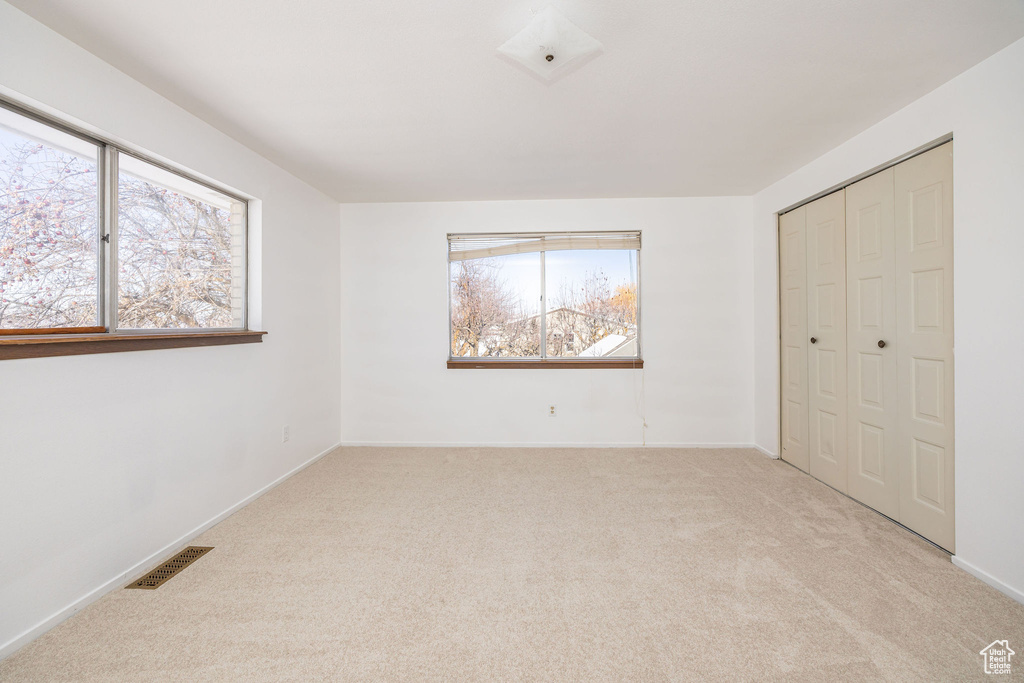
{"x":545,"y":298}
{"x":180,"y":251}
{"x":49,"y":227}
{"x":94,"y":239}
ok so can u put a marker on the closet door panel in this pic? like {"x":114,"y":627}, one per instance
{"x":924,"y":301}
{"x":826,"y":329}
{"x":872,"y":398}
{"x":793,"y":333}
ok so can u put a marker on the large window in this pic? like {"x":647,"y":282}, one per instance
{"x":544,"y":297}
{"x":94,"y":239}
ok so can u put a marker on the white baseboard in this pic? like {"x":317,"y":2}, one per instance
{"x":765,"y":451}
{"x":1003,"y":588}
{"x":141,"y":567}
{"x":535,"y":444}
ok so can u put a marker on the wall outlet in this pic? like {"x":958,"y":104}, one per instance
{"x":551,"y":411}
{"x":286,"y":433}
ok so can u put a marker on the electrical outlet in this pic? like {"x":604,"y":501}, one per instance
{"x":551,"y":411}
{"x":286,"y":433}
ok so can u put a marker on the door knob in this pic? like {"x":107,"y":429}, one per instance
{"x":814,"y":340}
{"x":881,"y":344}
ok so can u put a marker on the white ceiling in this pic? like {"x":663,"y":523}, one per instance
{"x":407,"y":100}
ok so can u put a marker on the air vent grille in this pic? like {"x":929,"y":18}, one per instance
{"x":170,"y":568}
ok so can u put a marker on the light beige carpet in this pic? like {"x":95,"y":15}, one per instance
{"x":529,"y":564}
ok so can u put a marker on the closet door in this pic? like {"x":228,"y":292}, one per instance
{"x":873,"y":467}
{"x":793,"y":335}
{"x":826,"y":327}
{"x":924,"y":305}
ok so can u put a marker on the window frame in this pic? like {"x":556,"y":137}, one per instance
{"x":34,"y":342}
{"x":544,"y":360}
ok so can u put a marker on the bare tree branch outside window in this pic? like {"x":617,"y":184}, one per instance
{"x":174,"y":259}
{"x":48,"y":236}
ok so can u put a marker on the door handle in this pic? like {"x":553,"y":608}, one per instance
{"x":881,"y":344}
{"x":814,"y":340}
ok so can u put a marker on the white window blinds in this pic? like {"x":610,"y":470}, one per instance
{"x":462,"y":247}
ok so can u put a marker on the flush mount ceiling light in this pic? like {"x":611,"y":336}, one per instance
{"x":550,"y":46}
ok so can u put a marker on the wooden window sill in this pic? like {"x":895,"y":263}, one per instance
{"x":41,"y":346}
{"x":549,"y":363}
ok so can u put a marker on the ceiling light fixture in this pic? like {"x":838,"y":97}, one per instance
{"x":550,"y":46}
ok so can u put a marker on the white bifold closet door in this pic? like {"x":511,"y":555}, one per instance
{"x":924,"y":355}
{"x":866,"y":305}
{"x":872,"y":395}
{"x":826,"y":325}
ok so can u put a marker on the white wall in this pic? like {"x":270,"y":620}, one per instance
{"x":696,"y":283}
{"x":984,"y":109}
{"x":107,"y":460}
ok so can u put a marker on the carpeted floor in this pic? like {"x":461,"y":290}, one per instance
{"x":531,"y":564}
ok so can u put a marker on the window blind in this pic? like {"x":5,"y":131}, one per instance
{"x":462,"y":247}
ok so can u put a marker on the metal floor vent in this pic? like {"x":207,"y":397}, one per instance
{"x":170,"y":568}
